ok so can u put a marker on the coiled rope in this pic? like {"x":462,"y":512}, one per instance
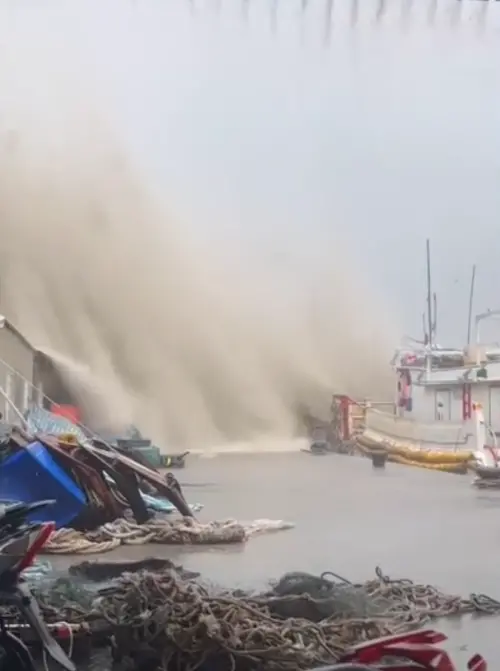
{"x":184,"y":531}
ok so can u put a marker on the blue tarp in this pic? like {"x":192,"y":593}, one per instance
{"x":162,"y":505}
{"x":32,"y":475}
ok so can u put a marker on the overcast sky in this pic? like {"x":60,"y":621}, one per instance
{"x":271,"y":137}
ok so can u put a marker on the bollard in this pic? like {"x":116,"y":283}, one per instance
{"x":319,"y":447}
{"x":378,"y":458}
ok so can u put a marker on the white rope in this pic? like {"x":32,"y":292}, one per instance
{"x":185,"y":531}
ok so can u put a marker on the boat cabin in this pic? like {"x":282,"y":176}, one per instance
{"x":442,"y":386}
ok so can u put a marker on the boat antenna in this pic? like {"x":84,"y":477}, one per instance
{"x":424,"y":329}
{"x":435,"y":316}
{"x":471,"y":301}
{"x":429,"y":297}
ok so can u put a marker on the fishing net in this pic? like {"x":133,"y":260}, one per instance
{"x":328,"y":595}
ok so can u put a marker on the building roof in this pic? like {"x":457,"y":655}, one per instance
{"x":5,"y":323}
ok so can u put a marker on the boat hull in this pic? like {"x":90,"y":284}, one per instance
{"x":435,"y":461}
{"x":488,"y":472}
{"x":438,"y":446}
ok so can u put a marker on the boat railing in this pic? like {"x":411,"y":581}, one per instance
{"x":349,"y":414}
{"x":19,"y":397}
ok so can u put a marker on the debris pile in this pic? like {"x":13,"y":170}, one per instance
{"x":102,"y":497}
{"x":91,"y":485}
{"x":170,"y":617}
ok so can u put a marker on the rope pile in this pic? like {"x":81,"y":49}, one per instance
{"x":304,"y":621}
{"x":402,"y":603}
{"x":168,"y":532}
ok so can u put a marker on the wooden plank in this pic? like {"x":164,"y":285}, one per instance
{"x":153,"y":477}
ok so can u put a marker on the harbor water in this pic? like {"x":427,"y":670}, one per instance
{"x":430,"y":527}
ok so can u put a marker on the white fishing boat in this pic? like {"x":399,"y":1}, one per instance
{"x":443,"y":418}
{"x":446,"y":410}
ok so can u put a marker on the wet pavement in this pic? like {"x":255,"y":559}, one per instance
{"x":428,"y":526}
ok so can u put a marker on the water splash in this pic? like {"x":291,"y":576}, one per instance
{"x":147,"y":324}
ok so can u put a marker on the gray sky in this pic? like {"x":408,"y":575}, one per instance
{"x":383,"y":138}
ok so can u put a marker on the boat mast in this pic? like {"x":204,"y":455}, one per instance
{"x":429,"y":306}
{"x":435,"y":315}
{"x":471,"y":301}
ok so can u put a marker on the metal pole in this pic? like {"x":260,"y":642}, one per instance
{"x":16,"y":410}
{"x":354,"y":12}
{"x":380,"y":11}
{"x":328,"y":22}
{"x":431,"y":12}
{"x":471,"y":301}
{"x":429,"y":295}
{"x":274,"y":17}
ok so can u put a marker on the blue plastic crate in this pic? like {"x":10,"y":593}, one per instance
{"x":33,"y":475}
